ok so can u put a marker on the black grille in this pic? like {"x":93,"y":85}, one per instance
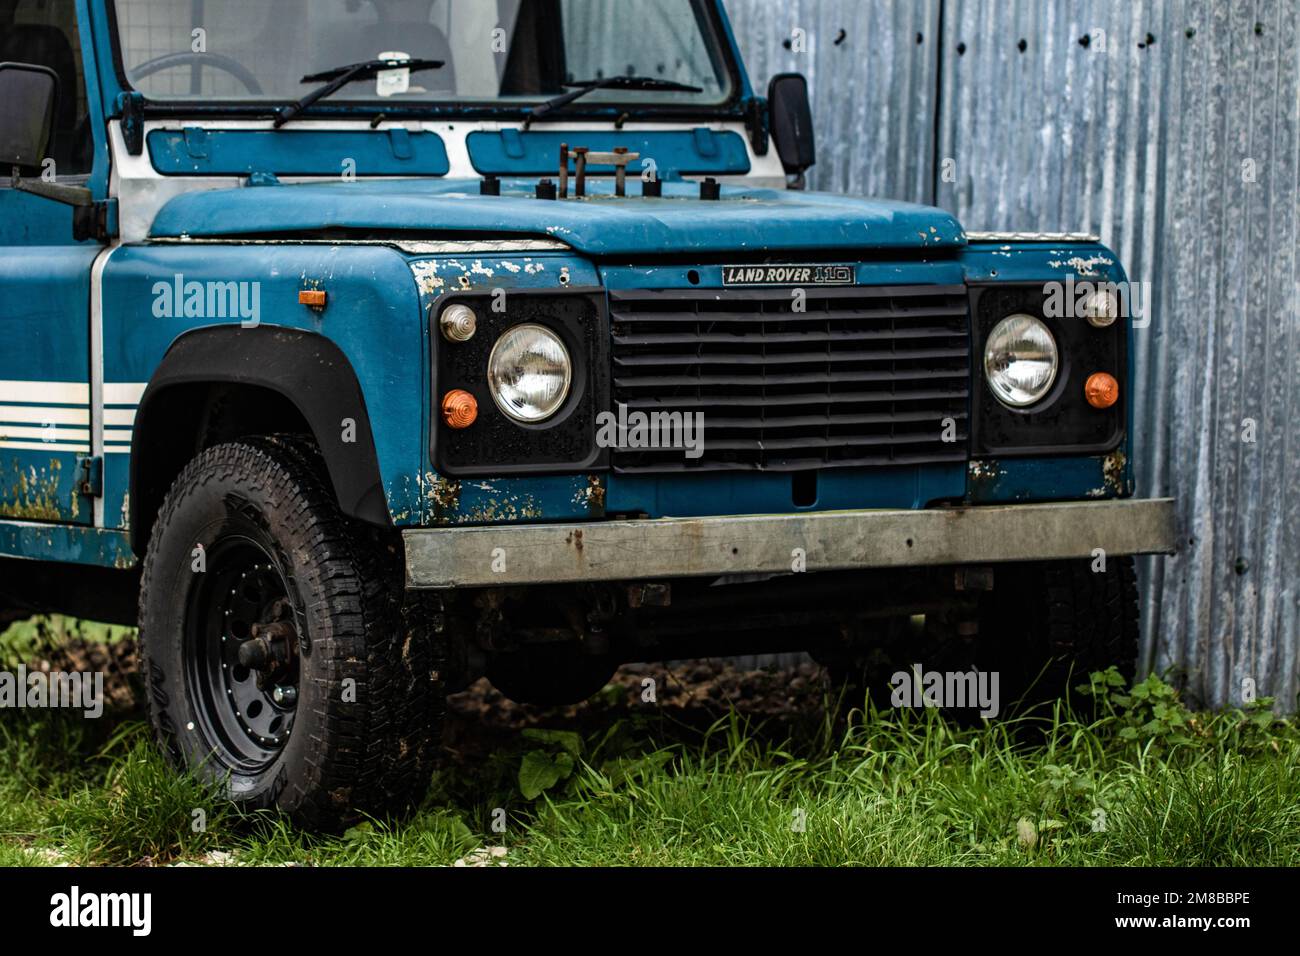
{"x":861,"y":377}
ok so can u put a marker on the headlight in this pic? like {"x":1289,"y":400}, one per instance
{"x":1020,"y":360}
{"x":529,"y":373}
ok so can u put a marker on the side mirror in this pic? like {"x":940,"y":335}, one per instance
{"x":791,"y":122}
{"x":28,"y":94}
{"x":27,"y":97}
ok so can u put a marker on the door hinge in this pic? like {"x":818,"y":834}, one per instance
{"x":92,"y":219}
{"x":92,"y":476}
{"x":96,"y":222}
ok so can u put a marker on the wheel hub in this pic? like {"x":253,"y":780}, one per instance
{"x":257,"y":653}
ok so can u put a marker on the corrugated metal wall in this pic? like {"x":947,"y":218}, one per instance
{"x":873,"y":92}
{"x":1175,"y":134}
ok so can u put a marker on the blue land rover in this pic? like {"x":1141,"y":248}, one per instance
{"x":357,"y":349}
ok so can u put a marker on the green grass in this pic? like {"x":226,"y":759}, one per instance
{"x":1126,"y":777}
{"x":25,"y":641}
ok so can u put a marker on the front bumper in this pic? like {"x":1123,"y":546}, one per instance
{"x":632,"y":550}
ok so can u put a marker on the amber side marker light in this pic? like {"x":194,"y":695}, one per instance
{"x":1101,"y":390}
{"x":459,"y":409}
{"x":312,"y":298}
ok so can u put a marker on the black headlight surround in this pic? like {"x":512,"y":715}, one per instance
{"x":497,"y":445}
{"x":1063,"y":422}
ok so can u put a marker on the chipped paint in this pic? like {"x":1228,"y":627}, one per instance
{"x":1081,"y":266}
{"x":592,"y":496}
{"x":107,"y":547}
{"x":442,"y":497}
{"x":427,"y":279}
{"x":404,"y":507}
{"x":406,"y":503}
{"x":985,"y":470}
{"x":35,"y":494}
{"x":510,"y":508}
{"x":1113,"y":469}
{"x":1048,"y":478}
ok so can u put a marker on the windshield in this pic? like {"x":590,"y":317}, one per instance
{"x":496,"y":52}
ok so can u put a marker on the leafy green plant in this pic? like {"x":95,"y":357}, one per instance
{"x":544,"y":767}
{"x":1149,"y":712}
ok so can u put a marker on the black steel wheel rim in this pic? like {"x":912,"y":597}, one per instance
{"x":245,"y":712}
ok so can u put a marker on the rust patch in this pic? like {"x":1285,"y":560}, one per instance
{"x":35,"y":494}
{"x":443,"y":496}
{"x":1112,"y":471}
{"x":596,"y":492}
{"x":984,"y":474}
{"x":592,"y":497}
{"x":512,"y":508}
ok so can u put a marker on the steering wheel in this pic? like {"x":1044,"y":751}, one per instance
{"x":169,"y":60}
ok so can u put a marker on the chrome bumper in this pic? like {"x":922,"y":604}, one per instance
{"x":631,"y":550}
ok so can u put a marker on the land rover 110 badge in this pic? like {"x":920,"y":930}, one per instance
{"x":788,"y":275}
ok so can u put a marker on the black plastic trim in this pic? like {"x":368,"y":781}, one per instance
{"x":496,"y":445}
{"x":1063,"y":422}
{"x":307,"y":369}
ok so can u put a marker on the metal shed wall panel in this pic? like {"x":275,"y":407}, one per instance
{"x":1174,"y":133}
{"x":873,"y":93}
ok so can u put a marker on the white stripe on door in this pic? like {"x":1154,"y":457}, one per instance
{"x":59,"y":393}
{"x":68,"y":393}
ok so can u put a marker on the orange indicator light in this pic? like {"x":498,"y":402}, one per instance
{"x":1101,"y":390}
{"x":459,"y":409}
{"x":312,"y":298}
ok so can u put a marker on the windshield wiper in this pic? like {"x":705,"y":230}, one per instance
{"x":580,"y":88}
{"x":341,"y":76}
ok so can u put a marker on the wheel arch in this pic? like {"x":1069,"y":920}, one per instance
{"x":290,"y":376}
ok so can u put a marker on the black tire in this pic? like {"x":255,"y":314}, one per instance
{"x":360,"y":734}
{"x":1046,"y":626}
{"x":1043,"y":628}
{"x":550,"y":675}
{"x":859,"y":670}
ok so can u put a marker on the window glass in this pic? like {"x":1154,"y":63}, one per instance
{"x":493,"y":50}
{"x":44,"y":32}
